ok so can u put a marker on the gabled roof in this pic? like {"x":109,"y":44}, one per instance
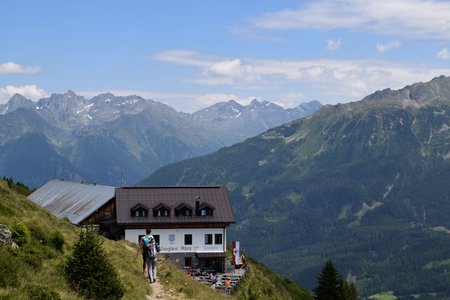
{"x":204,"y":204}
{"x":174,"y":197}
{"x":183,"y":205}
{"x":73,"y":200}
{"x":161,"y":205}
{"x":139,"y":205}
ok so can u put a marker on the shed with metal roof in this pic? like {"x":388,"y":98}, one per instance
{"x":76,"y":201}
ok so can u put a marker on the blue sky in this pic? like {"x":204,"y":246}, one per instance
{"x":191,"y":54}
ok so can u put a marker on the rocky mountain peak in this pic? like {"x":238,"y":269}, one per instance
{"x":16,"y":101}
{"x":418,"y":94}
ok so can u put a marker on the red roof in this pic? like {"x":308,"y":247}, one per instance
{"x":213,"y":196}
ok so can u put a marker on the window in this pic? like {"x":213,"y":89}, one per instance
{"x":183,"y":210}
{"x":188,"y":261}
{"x":206,"y":211}
{"x":218,"y":239}
{"x":208,"y":239}
{"x":161,"y":211}
{"x":188,"y":239}
{"x":139,"y":211}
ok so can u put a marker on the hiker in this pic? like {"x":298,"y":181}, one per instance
{"x":243,"y":260}
{"x":147,"y":244}
{"x":228,"y":283}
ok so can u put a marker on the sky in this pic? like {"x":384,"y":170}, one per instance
{"x":191,"y":54}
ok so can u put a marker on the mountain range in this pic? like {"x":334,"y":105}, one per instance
{"x":120,"y":140}
{"x":365,"y":184}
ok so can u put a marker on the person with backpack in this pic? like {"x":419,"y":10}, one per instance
{"x":148,"y":246}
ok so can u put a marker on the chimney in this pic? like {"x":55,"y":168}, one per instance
{"x":197,"y":205}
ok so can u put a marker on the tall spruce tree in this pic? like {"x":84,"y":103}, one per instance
{"x":328,"y":286}
{"x":88,"y":270}
{"x":331,"y":286}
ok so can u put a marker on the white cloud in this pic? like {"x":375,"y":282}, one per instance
{"x":183,"y":57}
{"x":333,"y":45}
{"x":30,"y":91}
{"x":318,"y":79}
{"x":382,"y":17}
{"x":227,"y":68}
{"x":444,"y":54}
{"x":388,"y":46}
{"x":11,"y":67}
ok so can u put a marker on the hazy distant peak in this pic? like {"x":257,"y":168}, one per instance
{"x":70,"y":93}
{"x":233,"y":102}
{"x":254,"y":102}
{"x":105,"y":95}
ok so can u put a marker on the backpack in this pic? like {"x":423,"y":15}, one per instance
{"x":148,"y":244}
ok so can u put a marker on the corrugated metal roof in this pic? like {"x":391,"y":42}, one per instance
{"x":172,"y":197}
{"x":73,"y":200}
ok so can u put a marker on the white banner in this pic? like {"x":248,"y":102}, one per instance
{"x":236,"y":253}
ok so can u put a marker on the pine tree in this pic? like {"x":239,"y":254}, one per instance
{"x":348,"y":291}
{"x":88,"y":270}
{"x":331,"y":286}
{"x":328,"y":287}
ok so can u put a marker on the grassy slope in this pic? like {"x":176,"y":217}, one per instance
{"x":47,"y":262}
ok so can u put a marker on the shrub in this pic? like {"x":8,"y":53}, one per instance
{"x":20,"y":232}
{"x":88,"y":270}
{"x":57,"y":241}
{"x":38,"y":233}
{"x":41,"y":292}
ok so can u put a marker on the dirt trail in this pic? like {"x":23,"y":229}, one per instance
{"x":158,"y":292}
{"x":157,"y":288}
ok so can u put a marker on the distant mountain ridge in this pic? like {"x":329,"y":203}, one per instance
{"x":364,"y":184}
{"x":235,"y":122}
{"x":231,"y":110}
{"x":112,"y":139}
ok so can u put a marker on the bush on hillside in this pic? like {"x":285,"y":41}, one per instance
{"x":89,"y":271}
{"x":21,"y":235}
{"x":57,"y":241}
